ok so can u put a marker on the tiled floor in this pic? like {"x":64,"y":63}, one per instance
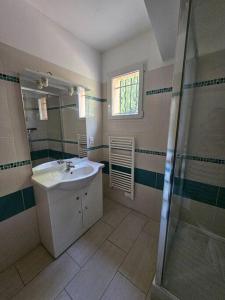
{"x":195,"y":257}
{"x":114,"y":260}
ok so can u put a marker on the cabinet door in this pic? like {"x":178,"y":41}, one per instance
{"x":92,"y":203}
{"x":66,"y":215}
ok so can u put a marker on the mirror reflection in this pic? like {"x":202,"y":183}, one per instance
{"x":55,"y":119}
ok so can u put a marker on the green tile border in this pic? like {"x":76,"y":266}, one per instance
{"x":11,"y":78}
{"x":54,"y":140}
{"x":197,"y":84}
{"x":159,"y":91}
{"x":74,"y":104}
{"x":94,"y":148}
{"x":15,"y":203}
{"x":198,"y":191}
{"x":95,"y":98}
{"x":204,"y":83}
{"x":186,"y":156}
{"x":21,"y":200}
{"x":15,"y":164}
{"x":45,"y":153}
{"x":202,"y":159}
{"x":50,"y":153}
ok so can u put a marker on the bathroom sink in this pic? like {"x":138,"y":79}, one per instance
{"x":54,"y":175}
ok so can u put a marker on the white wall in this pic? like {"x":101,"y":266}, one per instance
{"x":25,"y":28}
{"x":143,"y":48}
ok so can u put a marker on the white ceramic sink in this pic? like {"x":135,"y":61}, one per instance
{"x":53,"y":175}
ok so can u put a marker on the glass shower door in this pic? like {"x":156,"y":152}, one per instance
{"x":191,"y":259}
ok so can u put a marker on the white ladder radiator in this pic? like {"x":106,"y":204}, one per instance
{"x":121,"y":164}
{"x":82,"y":145}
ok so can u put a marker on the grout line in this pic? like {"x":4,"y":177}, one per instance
{"x":107,"y":286}
{"x":68,"y":294}
{"x":149,"y":291}
{"x":217,"y":195}
{"x":85,"y":262}
{"x":124,"y":275}
{"x":93,"y":252}
{"x":73,"y":257}
{"x":17,"y":270}
{"x":129,"y":253}
{"x":125,"y":252}
{"x":117,"y":203}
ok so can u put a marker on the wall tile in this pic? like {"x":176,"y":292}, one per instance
{"x":28,"y":197}
{"x":221,"y":198}
{"x":11,"y":205}
{"x":7,"y":150}
{"x":18,"y":236}
{"x":9,"y":181}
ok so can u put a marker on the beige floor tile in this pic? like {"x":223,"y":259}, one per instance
{"x":122,"y":289}
{"x":50,"y":281}
{"x":127,"y":232}
{"x":33,"y":263}
{"x":10,"y":283}
{"x":91,"y":281}
{"x":63,"y":296}
{"x":139,"y":265}
{"x":148,"y":297}
{"x":152,"y":228}
{"x":88,"y":244}
{"x":114,"y":213}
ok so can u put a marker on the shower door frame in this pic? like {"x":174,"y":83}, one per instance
{"x":178,"y":74}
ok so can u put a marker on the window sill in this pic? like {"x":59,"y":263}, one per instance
{"x":124,"y":117}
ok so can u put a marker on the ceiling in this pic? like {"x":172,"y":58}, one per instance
{"x":102,"y":24}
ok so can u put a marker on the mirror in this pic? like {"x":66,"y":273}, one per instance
{"x":54,"y":113}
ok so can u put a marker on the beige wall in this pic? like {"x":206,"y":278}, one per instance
{"x":150,"y":133}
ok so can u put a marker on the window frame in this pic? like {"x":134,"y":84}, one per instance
{"x":78,"y":101}
{"x":43,"y":108}
{"x":123,"y":71}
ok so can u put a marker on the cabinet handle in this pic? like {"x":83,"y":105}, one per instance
{"x":86,"y":207}
{"x":79,"y":211}
{"x":77,"y":198}
{"x":86,"y":194}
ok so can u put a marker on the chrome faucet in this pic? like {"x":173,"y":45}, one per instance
{"x":69,"y":166}
{"x":60,"y":161}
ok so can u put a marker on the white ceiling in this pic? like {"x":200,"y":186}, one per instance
{"x":102,"y":24}
{"x":164,"y":18}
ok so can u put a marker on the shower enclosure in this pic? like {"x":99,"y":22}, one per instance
{"x":191,"y":251}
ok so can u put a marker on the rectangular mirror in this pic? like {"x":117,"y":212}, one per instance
{"x":55,"y":118}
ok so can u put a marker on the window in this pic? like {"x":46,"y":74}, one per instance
{"x":81,"y":102}
{"x":126,"y":93}
{"x":42,"y":105}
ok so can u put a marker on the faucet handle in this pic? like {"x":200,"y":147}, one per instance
{"x":60,"y":161}
{"x":69,"y":164}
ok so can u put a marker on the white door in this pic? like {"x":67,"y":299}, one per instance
{"x":66,"y":218}
{"x":92,"y":203}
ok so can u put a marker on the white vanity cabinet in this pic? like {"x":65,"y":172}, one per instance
{"x":64,"y":215}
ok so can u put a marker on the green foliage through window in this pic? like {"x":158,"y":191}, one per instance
{"x":125,"y":94}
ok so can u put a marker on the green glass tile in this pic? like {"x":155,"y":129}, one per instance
{"x":159,"y":181}
{"x":221,"y":198}
{"x":11,"y":205}
{"x":39,"y":154}
{"x":28,"y":197}
{"x":201,"y":192}
{"x":145,"y":177}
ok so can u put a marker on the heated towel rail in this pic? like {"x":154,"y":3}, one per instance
{"x":121,"y":164}
{"x":82,"y":145}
